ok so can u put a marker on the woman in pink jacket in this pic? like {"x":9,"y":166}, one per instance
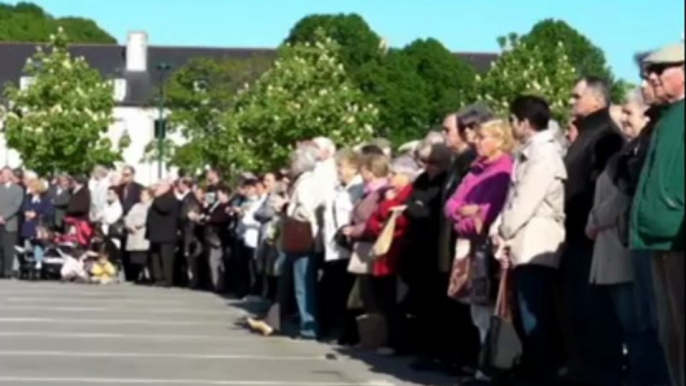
{"x":479,"y":199}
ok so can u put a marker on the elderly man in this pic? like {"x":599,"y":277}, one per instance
{"x":11,"y":199}
{"x":658,"y":209}
{"x":161,"y":228}
{"x":129,"y":189}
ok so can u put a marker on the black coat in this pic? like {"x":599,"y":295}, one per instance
{"x":60,"y":203}
{"x":599,"y":139}
{"x":424,"y":210}
{"x":80,"y":204}
{"x":163,"y":218}
{"x":217,"y":220}
{"x":187,"y":227}
{"x":130,"y":195}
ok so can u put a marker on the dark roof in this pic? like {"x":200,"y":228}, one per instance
{"x":110,"y":60}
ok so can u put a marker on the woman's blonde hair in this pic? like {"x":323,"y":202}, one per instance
{"x":349,"y":157}
{"x":39,"y":186}
{"x":501,"y":130}
{"x":378,"y":165}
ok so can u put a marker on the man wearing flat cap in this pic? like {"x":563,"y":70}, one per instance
{"x":657,"y":218}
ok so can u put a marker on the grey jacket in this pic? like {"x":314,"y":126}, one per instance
{"x":11,"y":199}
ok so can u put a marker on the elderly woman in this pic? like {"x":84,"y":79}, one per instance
{"x":303,"y":206}
{"x":626,"y":275}
{"x":479,"y":199}
{"x":419,"y":260}
{"x":38,"y":211}
{"x":379,"y":292}
{"x":136,"y":244}
{"x":336,"y":282}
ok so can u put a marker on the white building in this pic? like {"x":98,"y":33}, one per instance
{"x":134,"y":70}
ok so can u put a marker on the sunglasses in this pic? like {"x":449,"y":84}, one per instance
{"x":659,"y":68}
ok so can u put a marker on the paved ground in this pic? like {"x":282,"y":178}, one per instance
{"x":64,"y":334}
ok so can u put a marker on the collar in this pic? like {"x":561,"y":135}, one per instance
{"x":357,"y":180}
{"x":592,"y":120}
{"x":375,"y":185}
{"x":537,"y":139}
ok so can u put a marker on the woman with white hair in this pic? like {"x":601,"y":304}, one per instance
{"x":303,"y":205}
{"x":633,"y":297}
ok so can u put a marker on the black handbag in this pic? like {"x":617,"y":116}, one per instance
{"x":483,"y":288}
{"x":117,"y":230}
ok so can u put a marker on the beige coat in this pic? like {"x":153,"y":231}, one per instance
{"x":611,"y":259}
{"x":532,"y":222}
{"x":135,"y":222}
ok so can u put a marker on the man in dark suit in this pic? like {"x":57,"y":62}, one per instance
{"x":129,"y":190}
{"x":191,"y":248}
{"x":60,"y":195}
{"x":11,"y":199}
{"x":163,"y":218}
{"x":80,"y":201}
{"x":594,"y":342}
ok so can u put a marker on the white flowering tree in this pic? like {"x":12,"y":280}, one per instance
{"x":59,"y":123}
{"x":307,"y":93}
{"x":524,"y":69}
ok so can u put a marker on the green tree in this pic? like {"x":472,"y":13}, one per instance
{"x":359,"y":44}
{"x":587,"y":58}
{"x":449,"y":81}
{"x":59,"y":123}
{"x":307,"y":93}
{"x":198,"y":94}
{"x":528,"y":69}
{"x":27,"y":22}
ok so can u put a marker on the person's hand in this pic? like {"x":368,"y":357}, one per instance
{"x":591,"y":232}
{"x":30,"y":215}
{"x":2,"y":220}
{"x":390,"y":194}
{"x":469,"y":210}
{"x":193,"y":216}
{"x":347,"y":231}
{"x":279,"y":202}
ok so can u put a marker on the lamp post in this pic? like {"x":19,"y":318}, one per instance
{"x":161,"y":124}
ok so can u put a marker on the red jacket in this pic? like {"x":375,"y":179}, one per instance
{"x":387,"y":265}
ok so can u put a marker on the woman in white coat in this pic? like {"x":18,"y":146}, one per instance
{"x":136,"y":244}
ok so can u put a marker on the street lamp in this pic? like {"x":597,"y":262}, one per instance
{"x":161,"y":123}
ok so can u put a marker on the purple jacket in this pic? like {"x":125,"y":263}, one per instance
{"x":485,"y":185}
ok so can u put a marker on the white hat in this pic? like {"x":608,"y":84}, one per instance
{"x":671,"y":54}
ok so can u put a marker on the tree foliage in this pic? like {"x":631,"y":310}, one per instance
{"x":198,"y":94}
{"x":359,"y":44}
{"x":27,"y":22}
{"x":587,"y":59}
{"x":307,"y":93}
{"x":529,"y":69}
{"x":59,"y":123}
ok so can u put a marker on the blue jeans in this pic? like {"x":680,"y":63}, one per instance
{"x":305,"y":283}
{"x":37,"y":250}
{"x":595,"y":335}
{"x":535,"y":321}
{"x":647,"y":364}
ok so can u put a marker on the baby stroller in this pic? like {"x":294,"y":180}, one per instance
{"x":56,"y":250}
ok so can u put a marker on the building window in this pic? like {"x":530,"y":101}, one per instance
{"x":26,"y":82}
{"x":119,"y":90}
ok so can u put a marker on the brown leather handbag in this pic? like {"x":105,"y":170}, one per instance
{"x":297,"y":236}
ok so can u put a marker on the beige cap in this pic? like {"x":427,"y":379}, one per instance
{"x":673,"y":53}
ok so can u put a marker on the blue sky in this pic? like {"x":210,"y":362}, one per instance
{"x":619,"y":27}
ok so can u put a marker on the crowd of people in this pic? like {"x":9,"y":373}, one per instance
{"x":574,"y":235}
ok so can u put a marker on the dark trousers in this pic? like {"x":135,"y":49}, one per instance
{"x":335,"y":286}
{"x":138,"y":260}
{"x":162,"y":256}
{"x":7,"y":252}
{"x":444,"y":322}
{"x":595,"y":335}
{"x":535,"y":321}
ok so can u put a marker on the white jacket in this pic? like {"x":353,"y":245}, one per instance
{"x":532,"y":221}
{"x":306,"y":202}
{"x":249,"y":228}
{"x":337,"y":214}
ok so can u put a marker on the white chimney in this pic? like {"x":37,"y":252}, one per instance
{"x":137,"y":52}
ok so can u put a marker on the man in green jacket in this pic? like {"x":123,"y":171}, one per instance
{"x":658,"y":210}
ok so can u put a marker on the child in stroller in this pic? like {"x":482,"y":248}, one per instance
{"x":55,"y":249}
